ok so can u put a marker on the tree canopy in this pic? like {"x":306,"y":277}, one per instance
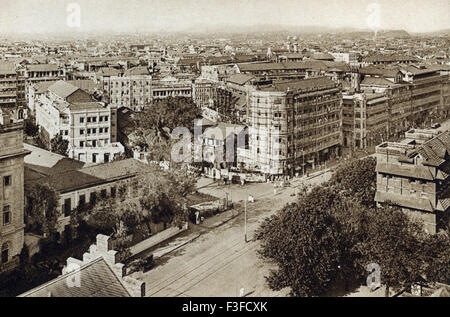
{"x":154,"y":196}
{"x":334,"y":231}
{"x":41,"y":208}
{"x":154,"y":124}
{"x":357,"y":178}
{"x":59,"y":145}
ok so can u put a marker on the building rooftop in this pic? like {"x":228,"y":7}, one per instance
{"x":42,"y":67}
{"x":240,"y":79}
{"x":137,"y":71}
{"x":97,"y":279}
{"x":315,"y":83}
{"x":62,"y":89}
{"x":65,"y":174}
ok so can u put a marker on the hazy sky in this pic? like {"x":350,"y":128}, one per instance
{"x":174,"y":15}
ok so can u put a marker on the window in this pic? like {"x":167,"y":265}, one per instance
{"x":5,"y":253}
{"x":100,"y":130}
{"x":94,"y":130}
{"x":7,"y":180}
{"x":103,"y":193}
{"x":113,"y":192}
{"x":106,"y":118}
{"x":88,"y":131}
{"x":89,"y":119}
{"x":81,"y":131}
{"x":67,"y":207}
{"x":94,"y":119}
{"x":94,"y":144}
{"x":82,"y":200}
{"x":100,"y":119}
{"x":93,"y":198}
{"x":82,"y":120}
{"x":6,"y":215}
{"x":81,"y":143}
{"x":106,"y":130}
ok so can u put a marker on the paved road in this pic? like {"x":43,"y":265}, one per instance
{"x":219,"y":262}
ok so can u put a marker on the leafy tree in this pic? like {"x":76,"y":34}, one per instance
{"x":436,"y":255}
{"x":41,"y":208}
{"x":113,"y":217}
{"x":357,"y":179}
{"x":30,"y":127}
{"x":394,"y":242}
{"x":154,"y":124}
{"x":304,"y":241}
{"x":164,"y":195}
{"x":153,"y":197}
{"x":59,"y":145}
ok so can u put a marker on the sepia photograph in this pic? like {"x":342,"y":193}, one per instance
{"x":231,"y":154}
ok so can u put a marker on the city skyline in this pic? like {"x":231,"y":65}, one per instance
{"x":202,"y":15}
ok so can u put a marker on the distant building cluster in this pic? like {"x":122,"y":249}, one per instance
{"x":297,"y":102}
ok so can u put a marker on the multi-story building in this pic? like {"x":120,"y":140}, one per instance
{"x":90,"y":127}
{"x":12,"y":91}
{"x":12,"y":226}
{"x":365,"y":119}
{"x":388,"y":59}
{"x":426,"y":90}
{"x":414,"y":175}
{"x":78,"y":184}
{"x":131,"y":90}
{"x":293,"y":124}
{"x":171,"y":87}
{"x":203,"y":92}
{"x":34,"y":73}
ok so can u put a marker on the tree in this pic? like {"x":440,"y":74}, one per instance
{"x":436,"y":255}
{"x":30,"y":127}
{"x":304,"y":241}
{"x":164,"y":195}
{"x":59,"y":145}
{"x":154,"y":124}
{"x":113,"y":217}
{"x":357,"y":179}
{"x":41,"y":208}
{"x":154,"y":196}
{"x":395,"y":243}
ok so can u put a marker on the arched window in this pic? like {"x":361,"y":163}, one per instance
{"x":5,"y":253}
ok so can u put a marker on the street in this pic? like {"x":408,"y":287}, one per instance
{"x":219,"y":262}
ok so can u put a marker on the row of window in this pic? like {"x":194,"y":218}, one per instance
{"x":67,"y":206}
{"x":94,"y":119}
{"x":94,"y":130}
{"x":92,"y":143}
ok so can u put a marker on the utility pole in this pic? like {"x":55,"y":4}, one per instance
{"x":245,"y":219}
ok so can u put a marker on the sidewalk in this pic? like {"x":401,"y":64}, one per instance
{"x":222,"y":218}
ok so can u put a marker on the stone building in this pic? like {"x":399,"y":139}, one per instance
{"x":414,"y":175}
{"x":293,"y":124}
{"x":89,"y":126}
{"x":12,"y":92}
{"x":12,"y":193}
{"x":365,"y":120}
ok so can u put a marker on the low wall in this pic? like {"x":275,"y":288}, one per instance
{"x":156,"y":239}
